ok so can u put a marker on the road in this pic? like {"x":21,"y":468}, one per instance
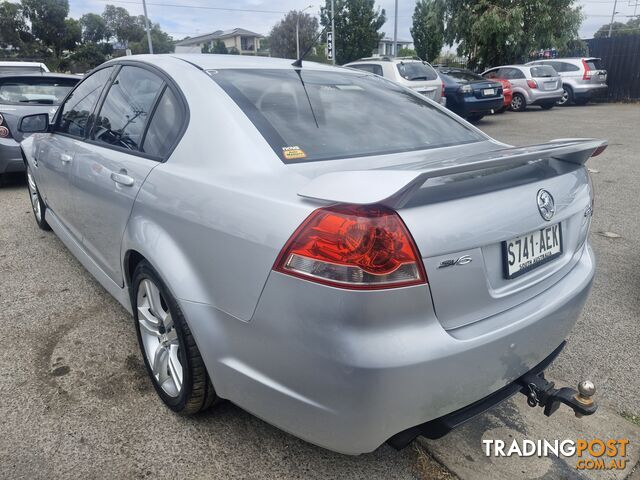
{"x":76,"y":402}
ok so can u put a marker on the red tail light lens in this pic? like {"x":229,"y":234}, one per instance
{"x":532,"y":84}
{"x":352,"y":246}
{"x":587,"y":71}
{"x":4,"y":132}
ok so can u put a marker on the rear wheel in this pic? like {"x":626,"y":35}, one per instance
{"x":567,"y":96}
{"x":547,"y":106}
{"x":518,"y":103}
{"x":170,"y":353}
{"x":37,"y":205}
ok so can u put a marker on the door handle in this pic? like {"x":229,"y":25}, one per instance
{"x":65,"y":158}
{"x":122,"y":178}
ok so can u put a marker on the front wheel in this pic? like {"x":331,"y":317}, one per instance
{"x":37,"y":205}
{"x":518,"y":103}
{"x":170,"y":354}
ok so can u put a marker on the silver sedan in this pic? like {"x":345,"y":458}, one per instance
{"x":332,"y":252}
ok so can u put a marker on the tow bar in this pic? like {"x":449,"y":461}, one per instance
{"x":541,"y":393}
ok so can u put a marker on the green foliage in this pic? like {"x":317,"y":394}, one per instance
{"x":618,"y":29}
{"x":428,"y":28}
{"x":47,"y":19}
{"x":234,"y":51}
{"x":217,"y":47}
{"x":407,"y":52}
{"x":13,"y":27}
{"x":122,"y":26}
{"x":357,"y":27}
{"x":90,"y":55}
{"x":94,"y":28}
{"x":574,"y":48}
{"x":496,"y":32}
{"x":162,"y":42}
{"x":282,"y":39}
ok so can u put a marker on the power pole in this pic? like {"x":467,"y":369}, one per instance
{"x":395,"y":32}
{"x":146,"y":26}
{"x":613,"y":14}
{"x":333,"y":32}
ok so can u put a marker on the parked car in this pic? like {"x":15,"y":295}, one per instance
{"x":582,"y":78}
{"x":23,"y":95}
{"x":410,"y":72}
{"x":22,"y":68}
{"x":268,"y":227}
{"x":532,"y":85}
{"x":470,"y":95}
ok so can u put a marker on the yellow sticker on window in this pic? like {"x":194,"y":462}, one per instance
{"x":293,"y":153}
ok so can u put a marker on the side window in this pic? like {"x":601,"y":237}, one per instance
{"x":491,"y":74}
{"x":568,"y":67}
{"x":369,"y":67}
{"x":165,"y":125}
{"x":126,"y":108}
{"x":76,"y":112}
{"x":515,"y":74}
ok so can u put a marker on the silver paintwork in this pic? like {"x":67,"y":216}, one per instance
{"x":549,"y":89}
{"x":573,"y":78}
{"x":33,"y":195}
{"x":546,"y":204}
{"x":343,"y":369}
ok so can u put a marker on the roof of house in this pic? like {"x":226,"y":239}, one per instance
{"x":218,"y":34}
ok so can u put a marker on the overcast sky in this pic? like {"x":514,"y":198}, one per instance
{"x":194,"y":17}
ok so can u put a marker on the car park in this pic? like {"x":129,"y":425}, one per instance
{"x":532,"y":85}
{"x":470,"y":95}
{"x":582,"y":78}
{"x":315,"y":283}
{"x":23,"y":95}
{"x":410,"y":72}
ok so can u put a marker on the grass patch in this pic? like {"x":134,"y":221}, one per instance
{"x":428,"y":467}
{"x":631,"y":417}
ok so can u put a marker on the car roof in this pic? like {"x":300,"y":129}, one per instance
{"x":39,"y":75}
{"x":20,"y":64}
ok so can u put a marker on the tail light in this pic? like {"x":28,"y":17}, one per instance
{"x":4,"y":131}
{"x":599,"y":150}
{"x":532,"y":83}
{"x":587,"y":70}
{"x":353,"y":246}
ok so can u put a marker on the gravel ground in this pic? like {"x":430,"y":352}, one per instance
{"x":76,"y":402}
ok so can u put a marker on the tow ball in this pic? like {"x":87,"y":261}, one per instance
{"x":542,"y":393}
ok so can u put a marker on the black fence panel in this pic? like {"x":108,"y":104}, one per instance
{"x":621,"y":58}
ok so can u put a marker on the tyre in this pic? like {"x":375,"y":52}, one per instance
{"x":547,"y":106}
{"x":567,"y":96}
{"x":37,"y":205}
{"x":474,"y":118}
{"x":170,"y":354}
{"x":518,"y":103}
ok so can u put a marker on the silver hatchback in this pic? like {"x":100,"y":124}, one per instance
{"x":344,"y":278}
{"x":532,"y":85}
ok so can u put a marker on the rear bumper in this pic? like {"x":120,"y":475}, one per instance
{"x":586,"y":92}
{"x":10,"y":156}
{"x":347,"y":370}
{"x":472,"y":106}
{"x":542,"y":99}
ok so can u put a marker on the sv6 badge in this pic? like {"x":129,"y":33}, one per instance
{"x":463,"y":260}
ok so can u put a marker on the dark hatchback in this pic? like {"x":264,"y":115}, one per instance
{"x":470,"y":95}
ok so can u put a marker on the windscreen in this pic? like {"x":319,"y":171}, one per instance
{"x":36,"y":90}
{"x":594,"y":64}
{"x":308,"y":115}
{"x":543,"y":71}
{"x":463,"y":75}
{"x":416,"y":71}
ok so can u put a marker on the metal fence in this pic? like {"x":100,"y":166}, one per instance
{"x":621,"y":58}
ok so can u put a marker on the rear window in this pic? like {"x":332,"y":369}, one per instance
{"x":309,"y":115}
{"x":36,"y":91}
{"x":19,"y":70}
{"x":415,"y":71}
{"x":463,"y":75}
{"x":543,"y":71}
{"x":594,"y":64}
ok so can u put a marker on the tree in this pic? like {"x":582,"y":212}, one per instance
{"x":48,"y":24}
{"x":357,"y":26}
{"x":495,"y":32}
{"x":13,"y":28}
{"x":428,"y":28}
{"x":632,"y":27}
{"x":219,"y":47}
{"x":122,"y":26}
{"x":162,"y":42}
{"x":94,"y":28}
{"x":282,"y":39}
{"x":406,"y":52}
{"x":90,"y":55}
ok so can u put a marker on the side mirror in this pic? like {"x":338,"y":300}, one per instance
{"x":34,"y":123}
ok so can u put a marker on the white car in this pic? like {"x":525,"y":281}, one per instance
{"x":409,"y":72}
{"x":19,"y":68}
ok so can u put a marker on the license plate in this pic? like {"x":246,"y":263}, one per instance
{"x":488,"y":91}
{"x":526,"y":252}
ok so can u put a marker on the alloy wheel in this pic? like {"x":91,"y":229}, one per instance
{"x":159,"y":338}
{"x":565,"y":97}
{"x":34,"y":196}
{"x":516,"y":102}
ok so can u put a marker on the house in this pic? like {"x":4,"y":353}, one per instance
{"x":246,"y":42}
{"x":385,"y":46}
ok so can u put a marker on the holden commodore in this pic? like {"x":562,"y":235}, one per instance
{"x":330,"y":251}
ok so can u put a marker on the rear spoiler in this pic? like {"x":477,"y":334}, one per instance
{"x":393,"y":186}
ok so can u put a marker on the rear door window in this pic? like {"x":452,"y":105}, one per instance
{"x":165,"y":125}
{"x":543,"y":71}
{"x":77,"y":111}
{"x":416,"y":71}
{"x":126,"y":108}
{"x":368,"y":67}
{"x":308,"y":115}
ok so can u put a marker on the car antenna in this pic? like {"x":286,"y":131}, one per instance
{"x":298,"y":62}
